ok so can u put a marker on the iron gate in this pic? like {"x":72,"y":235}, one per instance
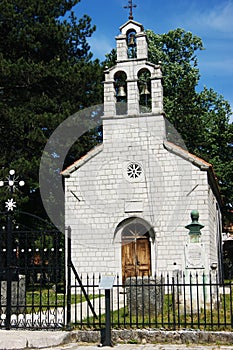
{"x":32,"y":277}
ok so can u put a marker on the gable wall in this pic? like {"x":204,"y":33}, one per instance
{"x":169,"y":188}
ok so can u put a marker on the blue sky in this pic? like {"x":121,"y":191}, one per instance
{"x":211,"y":20}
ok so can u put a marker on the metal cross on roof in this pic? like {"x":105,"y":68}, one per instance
{"x":130,"y":7}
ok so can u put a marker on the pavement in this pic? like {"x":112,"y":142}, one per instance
{"x":63,"y":340}
{"x":142,"y":347}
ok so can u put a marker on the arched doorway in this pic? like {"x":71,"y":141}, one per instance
{"x":135,"y":249}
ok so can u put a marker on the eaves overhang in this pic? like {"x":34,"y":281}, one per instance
{"x":200,"y":163}
{"x":81,"y":161}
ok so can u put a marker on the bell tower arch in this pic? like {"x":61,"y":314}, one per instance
{"x":132,"y":59}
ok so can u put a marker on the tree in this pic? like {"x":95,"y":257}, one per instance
{"x":216,"y":144}
{"x":202,"y":119}
{"x":46,"y":74}
{"x":176,"y":52}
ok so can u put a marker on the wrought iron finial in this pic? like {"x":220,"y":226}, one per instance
{"x":11,"y":183}
{"x":130,"y":7}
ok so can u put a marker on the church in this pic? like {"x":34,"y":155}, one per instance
{"x":128,"y":201}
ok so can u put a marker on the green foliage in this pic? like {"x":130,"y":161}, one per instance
{"x":202,"y":119}
{"x":45,"y":76}
{"x":216,"y":145}
{"x":176,"y":53}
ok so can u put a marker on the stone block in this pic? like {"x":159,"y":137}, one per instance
{"x":144,"y":295}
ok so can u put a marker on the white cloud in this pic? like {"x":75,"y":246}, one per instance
{"x":220,"y":18}
{"x":217,"y":19}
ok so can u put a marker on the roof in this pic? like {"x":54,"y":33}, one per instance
{"x":132,"y":22}
{"x":200,"y":163}
{"x":78,"y":163}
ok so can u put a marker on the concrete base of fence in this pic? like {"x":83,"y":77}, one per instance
{"x":15,"y":339}
{"x":23,"y":339}
{"x":143,"y":336}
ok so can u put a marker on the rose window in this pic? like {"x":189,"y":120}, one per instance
{"x":134,"y":171}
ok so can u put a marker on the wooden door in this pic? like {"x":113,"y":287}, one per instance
{"x":128,"y":260}
{"x":143,"y":257}
{"x":136,"y":255}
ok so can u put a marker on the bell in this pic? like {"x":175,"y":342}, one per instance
{"x":131,"y":41}
{"x":121,"y":92}
{"x":145,"y":90}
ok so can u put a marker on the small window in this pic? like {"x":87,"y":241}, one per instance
{"x":133,"y":172}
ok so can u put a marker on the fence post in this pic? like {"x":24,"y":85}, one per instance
{"x":9,"y":272}
{"x":106,"y":283}
{"x":68,"y":290}
{"x":173,"y":302}
{"x":231,"y":311}
{"x":108,"y":341}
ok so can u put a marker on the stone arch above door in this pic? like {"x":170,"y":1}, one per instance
{"x":136,"y":236}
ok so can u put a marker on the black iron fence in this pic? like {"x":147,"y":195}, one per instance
{"x":37,"y":292}
{"x":32,"y":279}
{"x":169,"y":302}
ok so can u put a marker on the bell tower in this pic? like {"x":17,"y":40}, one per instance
{"x":134,"y":85}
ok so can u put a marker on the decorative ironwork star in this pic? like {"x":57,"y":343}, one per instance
{"x":130,"y":7}
{"x":10,"y":204}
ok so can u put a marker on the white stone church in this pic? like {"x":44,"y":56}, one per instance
{"x":128,"y":200}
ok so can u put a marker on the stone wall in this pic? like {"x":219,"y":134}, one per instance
{"x":157,"y":336}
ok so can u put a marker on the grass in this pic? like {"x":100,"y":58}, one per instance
{"x":47,"y":298}
{"x":173,"y":316}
